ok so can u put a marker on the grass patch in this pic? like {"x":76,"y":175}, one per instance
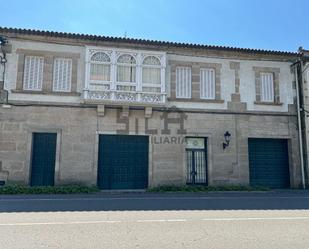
{"x":65,"y":189}
{"x":201,"y":188}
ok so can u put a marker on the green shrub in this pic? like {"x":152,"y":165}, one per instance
{"x":201,"y":188}
{"x":65,"y":189}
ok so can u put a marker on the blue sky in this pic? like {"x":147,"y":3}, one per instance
{"x":272,"y":24}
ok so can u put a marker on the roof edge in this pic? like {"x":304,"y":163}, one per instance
{"x":89,"y":37}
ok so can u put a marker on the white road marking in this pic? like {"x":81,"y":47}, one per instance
{"x":60,"y":223}
{"x":163,"y":220}
{"x":255,"y":218}
{"x":154,"y":220}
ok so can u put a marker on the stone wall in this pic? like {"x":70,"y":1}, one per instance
{"x":78,"y":129}
{"x":76,"y":138}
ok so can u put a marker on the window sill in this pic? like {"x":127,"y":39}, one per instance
{"x":268,"y":103}
{"x":215,"y":101}
{"x":47,"y":93}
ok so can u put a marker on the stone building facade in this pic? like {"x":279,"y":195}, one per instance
{"x":99,"y":96}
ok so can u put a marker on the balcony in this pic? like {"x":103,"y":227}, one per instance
{"x":124,"y":77}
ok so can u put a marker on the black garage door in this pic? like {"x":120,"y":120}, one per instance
{"x":269,"y":163}
{"x":123,"y":162}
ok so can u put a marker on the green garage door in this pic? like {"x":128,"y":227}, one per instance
{"x":123,"y":162}
{"x":269,"y":163}
{"x":43,"y":159}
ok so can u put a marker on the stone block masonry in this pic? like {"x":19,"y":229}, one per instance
{"x":77,"y":134}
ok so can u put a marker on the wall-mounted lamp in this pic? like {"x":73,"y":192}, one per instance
{"x":227,"y":138}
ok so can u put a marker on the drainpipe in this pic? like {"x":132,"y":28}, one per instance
{"x":300,"y":137}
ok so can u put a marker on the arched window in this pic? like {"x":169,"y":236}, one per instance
{"x":151,"y":72}
{"x":100,"y":67}
{"x":126,"y":68}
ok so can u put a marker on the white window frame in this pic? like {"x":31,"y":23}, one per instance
{"x":70,"y":75}
{"x":101,"y":63}
{"x":110,"y":89}
{"x":127,"y":83}
{"x":159,"y":67}
{"x":186,"y":90}
{"x":210,"y":91}
{"x":40,"y":73}
{"x":267,"y":87}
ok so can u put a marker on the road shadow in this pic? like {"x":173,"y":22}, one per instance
{"x":287,"y":200}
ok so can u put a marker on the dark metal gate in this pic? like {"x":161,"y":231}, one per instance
{"x":123,"y":162}
{"x":43,"y":159}
{"x":269,"y":162}
{"x":196,"y":161}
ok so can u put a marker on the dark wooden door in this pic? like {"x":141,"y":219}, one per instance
{"x":43,"y":159}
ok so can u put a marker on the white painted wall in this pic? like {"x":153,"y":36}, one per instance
{"x":11,"y":73}
{"x":247,"y":83}
{"x":247,"y":78}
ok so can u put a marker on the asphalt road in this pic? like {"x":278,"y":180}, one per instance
{"x":141,"y":220}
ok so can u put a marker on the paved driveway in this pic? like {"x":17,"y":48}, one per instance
{"x":217,"y":220}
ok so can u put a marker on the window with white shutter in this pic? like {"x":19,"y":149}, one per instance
{"x":62,"y":75}
{"x":267,"y":87}
{"x":183,"y":82}
{"x":33,"y":73}
{"x":207,"y":83}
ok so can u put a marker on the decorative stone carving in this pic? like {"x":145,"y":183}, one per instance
{"x":99,"y":95}
{"x":123,"y":96}
{"x":93,"y":51}
{"x":151,"y":98}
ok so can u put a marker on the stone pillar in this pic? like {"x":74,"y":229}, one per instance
{"x":236,"y":104}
